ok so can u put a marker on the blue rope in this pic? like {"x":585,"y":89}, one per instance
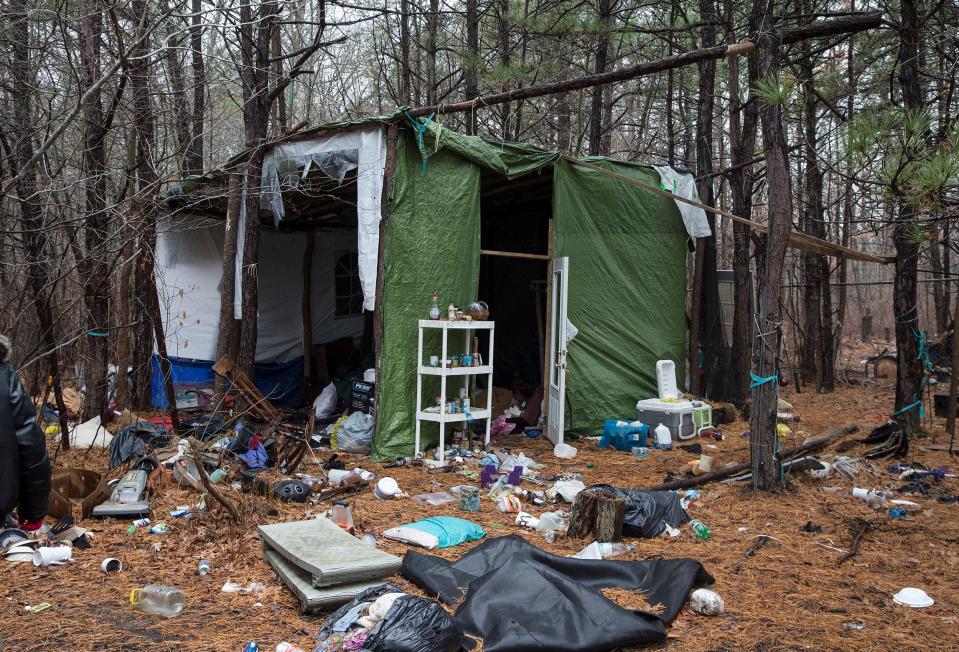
{"x":97,"y":334}
{"x":926,"y":365}
{"x":420,"y":129}
{"x":757,"y":380}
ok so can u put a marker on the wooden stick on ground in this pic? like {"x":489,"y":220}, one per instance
{"x":816,"y":443}
{"x":213,"y":491}
{"x":864,"y":526}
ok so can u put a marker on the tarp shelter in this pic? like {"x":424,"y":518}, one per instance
{"x":456,"y":209}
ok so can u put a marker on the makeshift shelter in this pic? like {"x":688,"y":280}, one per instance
{"x":425,"y":209}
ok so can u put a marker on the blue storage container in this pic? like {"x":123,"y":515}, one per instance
{"x":623,"y":437}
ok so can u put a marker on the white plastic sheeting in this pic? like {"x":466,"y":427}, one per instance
{"x":335,"y":154}
{"x":683,"y":184}
{"x":189,"y":269}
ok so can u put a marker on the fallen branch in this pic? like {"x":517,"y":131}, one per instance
{"x":760,"y":541}
{"x":816,"y":443}
{"x":864,"y":526}
{"x":213,"y":491}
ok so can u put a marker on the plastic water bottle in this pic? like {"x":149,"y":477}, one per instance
{"x":699,"y":529}
{"x":158,"y":599}
{"x":615,"y":549}
{"x":204,"y":567}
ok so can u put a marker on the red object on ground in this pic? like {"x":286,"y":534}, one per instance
{"x":31,"y":526}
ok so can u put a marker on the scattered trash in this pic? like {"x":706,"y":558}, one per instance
{"x":52,"y":556}
{"x":288,"y":647}
{"x":565,"y":489}
{"x":386,"y":489}
{"x":34,"y":608}
{"x":897,"y":513}
{"x":469,"y":499}
{"x":369,"y":540}
{"x":699,"y":529}
{"x":342,"y":514}
{"x":664,"y":438}
{"x":527,"y":520}
{"x":811,"y":527}
{"x":128,"y":497}
{"x":251,"y":646}
{"x":874,"y":499}
{"x":158,"y":600}
{"x":111,"y":565}
{"x":203,"y":567}
{"x":706,"y":602}
{"x":913,"y":597}
{"x":854,"y":626}
{"x":252,"y":587}
{"x":385,"y":618}
{"x":509,"y":503}
{"x":564,"y":451}
{"x":435,"y":498}
{"x":159,"y":528}
{"x":597,"y":550}
{"x":436,"y":532}
{"x":674,"y":532}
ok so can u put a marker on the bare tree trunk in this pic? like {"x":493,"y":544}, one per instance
{"x":502,"y":27}
{"x":763,"y":440}
{"x":432,"y":26}
{"x":194,"y":159}
{"x":705,"y":334}
{"x":601,"y":58}
{"x":406,"y":86}
{"x":94,"y":270}
{"x":181,"y":112}
{"x":471,"y":65}
{"x":144,"y":281}
{"x":940,"y":295}
{"x":228,"y":330}
{"x":904,"y":291}
{"x":812,"y":215}
{"x":31,"y":219}
{"x":742,"y":146}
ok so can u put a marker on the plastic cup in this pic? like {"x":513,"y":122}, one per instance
{"x":386,"y":488}
{"x":111,"y":565}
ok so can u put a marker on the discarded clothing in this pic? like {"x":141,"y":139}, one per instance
{"x":256,"y":457}
{"x":648,"y":512}
{"x":132,"y":442}
{"x":379,"y":609}
{"x":522,"y":598}
{"x":350,"y":617}
{"x":410,"y":624}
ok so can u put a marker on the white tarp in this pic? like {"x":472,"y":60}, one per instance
{"x":683,"y":184}
{"x":335,"y":154}
{"x":189,"y":269}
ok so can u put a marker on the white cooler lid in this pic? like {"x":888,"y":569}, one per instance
{"x":665,"y":406}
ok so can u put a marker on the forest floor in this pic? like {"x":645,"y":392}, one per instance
{"x":791,"y":594}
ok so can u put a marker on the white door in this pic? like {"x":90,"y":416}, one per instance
{"x":557,"y":350}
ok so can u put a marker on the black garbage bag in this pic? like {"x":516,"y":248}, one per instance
{"x":648,"y":512}
{"x":412,"y":624}
{"x":131,"y":442}
{"x":520,"y":598}
{"x":203,"y":427}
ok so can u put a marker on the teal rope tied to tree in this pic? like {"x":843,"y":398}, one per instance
{"x":922,"y":355}
{"x":420,"y":129}
{"x":758,"y":380}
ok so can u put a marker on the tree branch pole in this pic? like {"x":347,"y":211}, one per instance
{"x":844,"y":25}
{"x":816,"y":443}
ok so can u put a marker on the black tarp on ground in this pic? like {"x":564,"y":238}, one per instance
{"x":519,"y":597}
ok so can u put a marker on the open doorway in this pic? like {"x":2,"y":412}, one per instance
{"x":514,"y":272}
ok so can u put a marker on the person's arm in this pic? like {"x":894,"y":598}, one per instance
{"x":34,"y":463}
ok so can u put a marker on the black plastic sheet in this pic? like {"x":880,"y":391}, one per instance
{"x":648,"y":512}
{"x":519,"y":597}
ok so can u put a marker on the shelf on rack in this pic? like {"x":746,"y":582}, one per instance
{"x":456,"y":325}
{"x":451,"y":418}
{"x":456,"y":371}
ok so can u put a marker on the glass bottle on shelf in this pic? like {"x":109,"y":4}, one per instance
{"x":435,"y":308}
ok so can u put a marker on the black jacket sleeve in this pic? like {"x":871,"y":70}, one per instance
{"x":34,"y":463}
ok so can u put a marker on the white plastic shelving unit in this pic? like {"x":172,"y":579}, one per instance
{"x":442,"y":417}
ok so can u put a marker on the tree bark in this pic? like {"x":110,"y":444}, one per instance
{"x":228,"y":329}
{"x":742,"y":147}
{"x":904,"y":291}
{"x":406,"y":86}
{"x":194,"y":157}
{"x":763,"y":442}
{"x":471,"y":63}
{"x":601,"y":60}
{"x":94,"y":270}
{"x":31,"y":218}
{"x":144,"y":281}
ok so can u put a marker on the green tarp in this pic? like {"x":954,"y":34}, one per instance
{"x":627,"y":288}
{"x":626,"y":285}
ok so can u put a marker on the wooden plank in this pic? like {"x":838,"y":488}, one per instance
{"x":513,"y":254}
